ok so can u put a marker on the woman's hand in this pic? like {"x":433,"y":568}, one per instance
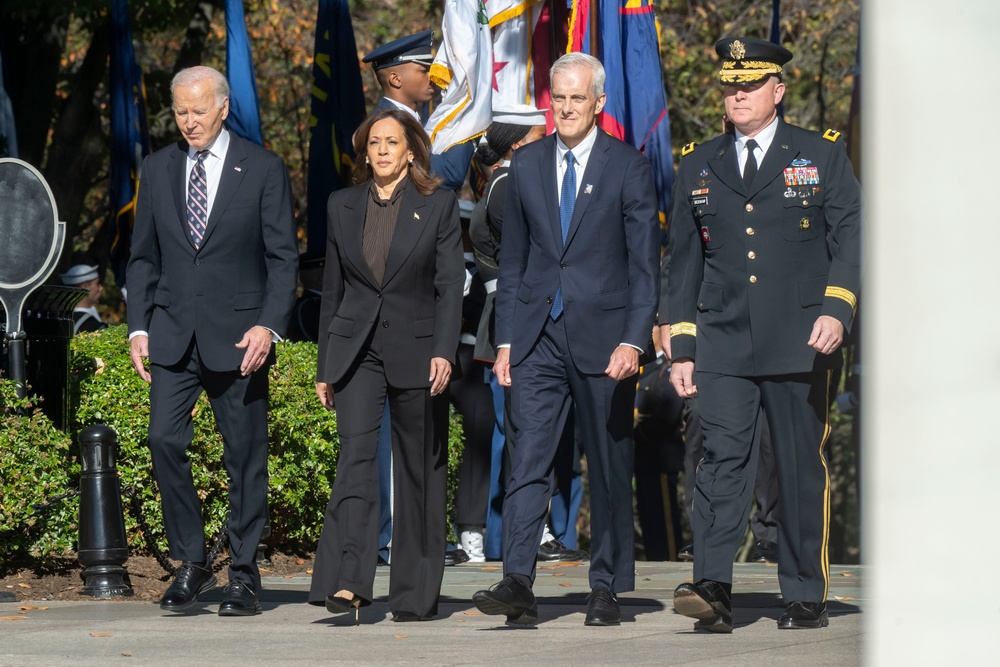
{"x":440,"y":375}
{"x":324,"y":391}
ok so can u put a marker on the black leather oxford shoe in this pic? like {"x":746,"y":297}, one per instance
{"x":602,"y":608}
{"x":510,"y":598}
{"x":190,"y":580}
{"x":240,"y":600}
{"x":804,"y":615}
{"x":764,"y":551}
{"x":709,"y":602}
{"x":556,"y":551}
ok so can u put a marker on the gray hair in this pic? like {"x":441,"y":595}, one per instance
{"x":577,"y":60}
{"x":192,"y":75}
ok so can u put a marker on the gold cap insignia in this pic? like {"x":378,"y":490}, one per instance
{"x":737,"y":50}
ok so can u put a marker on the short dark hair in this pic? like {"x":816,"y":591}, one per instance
{"x":416,"y":141}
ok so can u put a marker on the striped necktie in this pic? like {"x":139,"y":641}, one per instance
{"x":197,"y":200}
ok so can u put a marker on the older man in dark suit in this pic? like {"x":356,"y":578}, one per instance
{"x":211,"y":285}
{"x":577,"y":294}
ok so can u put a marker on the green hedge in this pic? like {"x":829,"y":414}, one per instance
{"x":40,"y":461}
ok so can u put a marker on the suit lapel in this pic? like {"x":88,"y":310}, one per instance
{"x":410,"y":223}
{"x":178,"y":185}
{"x":353,"y":226}
{"x":725,"y":166}
{"x":590,"y":182}
{"x":233,"y":170}
{"x":779,"y":154}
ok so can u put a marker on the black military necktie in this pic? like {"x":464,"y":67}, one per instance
{"x":750,"y":170}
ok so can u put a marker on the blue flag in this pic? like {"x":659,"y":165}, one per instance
{"x":129,"y":138}
{"x":338,"y":108}
{"x":636,"y":107}
{"x":244,"y":111}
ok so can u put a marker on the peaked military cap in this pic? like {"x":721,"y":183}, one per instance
{"x":410,"y":49}
{"x":747,"y":61}
{"x":79,"y":274}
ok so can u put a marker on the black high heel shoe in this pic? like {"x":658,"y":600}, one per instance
{"x":339,"y":605}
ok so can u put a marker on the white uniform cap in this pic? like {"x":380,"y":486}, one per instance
{"x":519,"y":114}
{"x":79,"y":274}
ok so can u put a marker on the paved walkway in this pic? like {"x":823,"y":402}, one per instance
{"x":290,"y":632}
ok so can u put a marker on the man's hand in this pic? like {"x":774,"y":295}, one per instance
{"x":665,"y":339}
{"x":624,"y":363}
{"x":440,"y":375}
{"x":324,"y":392}
{"x":257,"y":342}
{"x":682,"y":377}
{"x":827,"y":334}
{"x":138,"y":349}
{"x":501,"y":367}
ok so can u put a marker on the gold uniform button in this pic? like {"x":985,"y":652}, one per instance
{"x":749,"y":231}
{"x":753,"y":279}
{"x":804,"y":223}
{"x":749,"y":207}
{"x":752,"y":255}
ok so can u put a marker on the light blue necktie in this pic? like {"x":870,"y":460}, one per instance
{"x":567,"y":201}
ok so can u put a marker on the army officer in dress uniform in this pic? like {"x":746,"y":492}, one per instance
{"x":764,"y":278}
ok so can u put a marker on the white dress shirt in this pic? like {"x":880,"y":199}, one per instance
{"x":581,"y":153}
{"x":763,"y":138}
{"x":406,"y":109}
{"x":213,"y":165}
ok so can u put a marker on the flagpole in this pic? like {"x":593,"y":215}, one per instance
{"x":594,"y":27}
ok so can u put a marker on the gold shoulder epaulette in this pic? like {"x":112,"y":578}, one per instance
{"x":831,"y":135}
{"x":689,"y":148}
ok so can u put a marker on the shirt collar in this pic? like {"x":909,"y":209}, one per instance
{"x":217,"y":148}
{"x":763,"y":138}
{"x":405,"y":108}
{"x":581,"y":152}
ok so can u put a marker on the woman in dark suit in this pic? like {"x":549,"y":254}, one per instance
{"x":389,"y":327}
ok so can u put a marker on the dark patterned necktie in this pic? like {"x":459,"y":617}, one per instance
{"x":197,"y":200}
{"x":750,"y":169}
{"x":567,"y":200}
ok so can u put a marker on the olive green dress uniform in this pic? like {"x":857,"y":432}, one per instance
{"x":750,"y":272}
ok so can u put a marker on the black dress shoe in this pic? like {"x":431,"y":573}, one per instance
{"x":765,"y":551}
{"x":804,"y":615}
{"x":510,"y":598}
{"x":190,"y":580}
{"x":709,"y":602}
{"x":455,"y":556}
{"x":602,"y":608}
{"x":686,"y":553}
{"x":404,"y":617}
{"x":240,"y":600}
{"x":556,"y":551}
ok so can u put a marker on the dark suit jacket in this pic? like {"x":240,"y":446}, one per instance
{"x":609,"y":267}
{"x":418,"y":304}
{"x":751,"y":271}
{"x":243,"y":275}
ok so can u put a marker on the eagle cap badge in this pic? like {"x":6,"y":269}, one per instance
{"x":737,"y":50}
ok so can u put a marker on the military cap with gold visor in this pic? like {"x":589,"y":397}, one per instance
{"x":747,"y":61}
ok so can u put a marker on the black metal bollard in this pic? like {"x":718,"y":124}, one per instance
{"x":103,"y":547}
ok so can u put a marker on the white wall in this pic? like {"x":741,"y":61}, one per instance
{"x":932,"y":331}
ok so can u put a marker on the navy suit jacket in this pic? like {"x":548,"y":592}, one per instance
{"x":608,"y":268}
{"x":243,"y":275}
{"x":418,"y":304}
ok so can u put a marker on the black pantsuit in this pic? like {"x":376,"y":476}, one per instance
{"x":348,"y":549}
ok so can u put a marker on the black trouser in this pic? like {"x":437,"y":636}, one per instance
{"x":473,"y":400}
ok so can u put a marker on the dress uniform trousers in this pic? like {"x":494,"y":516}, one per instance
{"x":797,"y":409}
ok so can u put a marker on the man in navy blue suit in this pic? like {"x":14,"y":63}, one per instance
{"x":576,"y":298}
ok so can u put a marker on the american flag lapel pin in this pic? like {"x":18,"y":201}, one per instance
{"x":238,"y":168}
{"x":415,"y":216}
{"x":587,"y":190}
